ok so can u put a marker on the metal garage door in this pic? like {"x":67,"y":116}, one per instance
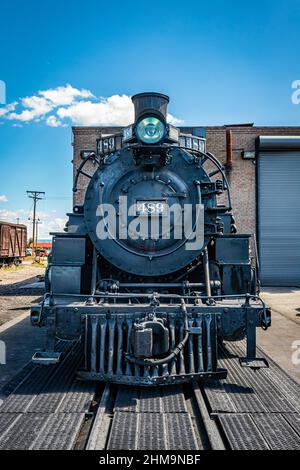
{"x":279,"y":217}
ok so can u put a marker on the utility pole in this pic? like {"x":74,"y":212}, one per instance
{"x":36,"y":196}
{"x":36,"y":231}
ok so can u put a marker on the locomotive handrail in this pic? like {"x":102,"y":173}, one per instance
{"x":215,"y":161}
{"x":92,"y":156}
{"x":257,"y":264}
{"x":100,"y":294}
{"x":208,"y":156}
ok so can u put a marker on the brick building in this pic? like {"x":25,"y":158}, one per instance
{"x":262,"y":162}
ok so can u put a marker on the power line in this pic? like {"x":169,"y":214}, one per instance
{"x":58,"y":197}
{"x":36,"y":196}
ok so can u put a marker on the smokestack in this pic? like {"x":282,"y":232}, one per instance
{"x":147,"y":102}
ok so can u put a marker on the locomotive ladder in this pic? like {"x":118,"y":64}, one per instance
{"x":49,"y":409}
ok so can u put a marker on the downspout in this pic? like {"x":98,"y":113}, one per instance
{"x":229,"y":158}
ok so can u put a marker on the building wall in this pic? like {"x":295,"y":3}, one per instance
{"x":84,"y":138}
{"x":242,"y":177}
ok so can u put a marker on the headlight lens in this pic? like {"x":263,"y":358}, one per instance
{"x":150,"y":130}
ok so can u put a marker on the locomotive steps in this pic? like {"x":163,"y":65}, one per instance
{"x":250,"y":410}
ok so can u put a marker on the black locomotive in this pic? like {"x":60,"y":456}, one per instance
{"x":150,"y":274}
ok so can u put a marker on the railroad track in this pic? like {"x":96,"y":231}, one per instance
{"x":47,"y":408}
{"x":156,"y":419}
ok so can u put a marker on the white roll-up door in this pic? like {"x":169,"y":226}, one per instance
{"x":279,"y":217}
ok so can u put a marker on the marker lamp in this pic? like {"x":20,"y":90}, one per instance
{"x":127,"y":133}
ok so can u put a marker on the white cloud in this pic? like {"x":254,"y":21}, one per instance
{"x":174,"y":120}
{"x":115,"y":110}
{"x":48,"y":221}
{"x":8,"y":215}
{"x":24,"y":116}
{"x":38,"y":106}
{"x":3,"y":198}
{"x":8,"y":108}
{"x":48,"y":224}
{"x":12,"y":106}
{"x":65,"y":95}
{"x":66,"y":105}
{"x":35,"y":107}
{"x":52,"y":121}
{"x":56,"y":225}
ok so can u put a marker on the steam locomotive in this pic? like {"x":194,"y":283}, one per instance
{"x":150,"y":274}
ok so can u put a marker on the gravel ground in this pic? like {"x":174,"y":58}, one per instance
{"x":13,"y":300}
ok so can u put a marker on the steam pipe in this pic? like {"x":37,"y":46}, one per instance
{"x":162,"y":284}
{"x":206,"y":272}
{"x":94,"y":273}
{"x":186,"y":285}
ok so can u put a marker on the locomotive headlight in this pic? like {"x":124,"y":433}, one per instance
{"x":150,"y":130}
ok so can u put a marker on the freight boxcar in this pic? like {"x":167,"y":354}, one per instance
{"x":13,"y":238}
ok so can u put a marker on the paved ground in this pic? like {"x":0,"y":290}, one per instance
{"x":282,"y":340}
{"x":13,"y":300}
{"x":19,"y":338}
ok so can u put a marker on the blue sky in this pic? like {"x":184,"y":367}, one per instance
{"x":220,"y":62}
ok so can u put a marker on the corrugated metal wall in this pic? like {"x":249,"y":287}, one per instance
{"x":279,"y":217}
